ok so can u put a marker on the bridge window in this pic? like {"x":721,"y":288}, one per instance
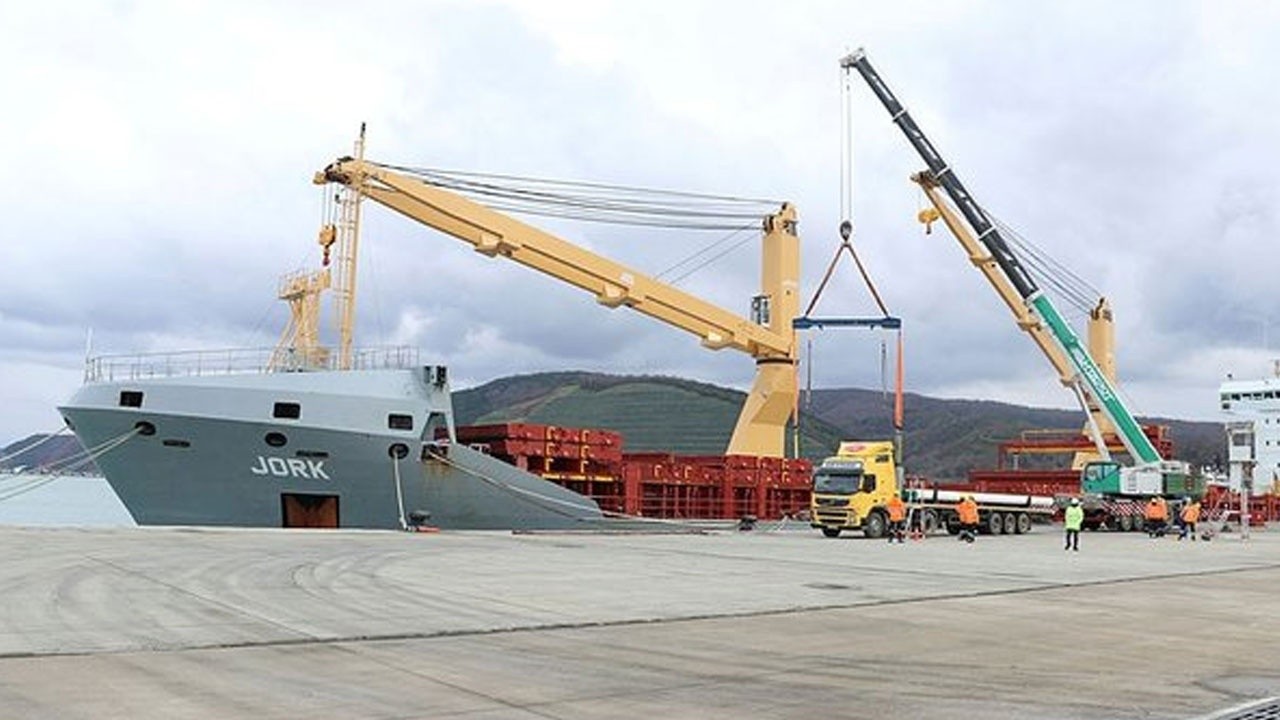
{"x":400,"y":422}
{"x":130,"y":398}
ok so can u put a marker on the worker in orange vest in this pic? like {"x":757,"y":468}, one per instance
{"x":967,"y":513}
{"x":1157,"y":515}
{"x":1190,"y":516}
{"x":897,"y":518}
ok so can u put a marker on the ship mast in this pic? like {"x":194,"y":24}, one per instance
{"x":299,"y":347}
{"x":348,"y":239}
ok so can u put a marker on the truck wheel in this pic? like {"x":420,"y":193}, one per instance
{"x":1010,"y":524}
{"x":953,"y":527}
{"x":994,"y":524}
{"x":874,"y":526}
{"x":1023,"y":524}
{"x":831,"y":532}
{"x":1125,"y":522}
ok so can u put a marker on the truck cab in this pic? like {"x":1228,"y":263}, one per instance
{"x":851,"y":489}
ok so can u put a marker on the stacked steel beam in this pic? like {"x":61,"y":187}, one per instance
{"x":649,"y":484}
{"x":587,"y":461}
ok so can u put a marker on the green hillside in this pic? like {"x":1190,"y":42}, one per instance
{"x":944,"y":438}
{"x":651,"y":413}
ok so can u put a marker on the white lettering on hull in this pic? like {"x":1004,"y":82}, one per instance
{"x":306,"y":469}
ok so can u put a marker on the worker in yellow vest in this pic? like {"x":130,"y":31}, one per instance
{"x":1072,"y":520}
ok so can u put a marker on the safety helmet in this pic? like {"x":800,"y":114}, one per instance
{"x":1075,"y":501}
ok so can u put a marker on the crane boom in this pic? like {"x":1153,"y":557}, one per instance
{"x":1036,"y":301}
{"x":761,"y":427}
{"x":1100,"y":337}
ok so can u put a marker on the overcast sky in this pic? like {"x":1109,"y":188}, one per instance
{"x":160,"y":154}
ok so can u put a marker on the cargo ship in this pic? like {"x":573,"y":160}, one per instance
{"x":226,"y":438}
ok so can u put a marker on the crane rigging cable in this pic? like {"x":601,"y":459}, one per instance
{"x":1075,"y":289}
{"x":597,"y":202}
{"x":675,"y":279}
{"x":614,"y":204}
{"x":887,"y":321}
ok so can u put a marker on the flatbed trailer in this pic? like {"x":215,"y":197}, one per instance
{"x":998,"y":513}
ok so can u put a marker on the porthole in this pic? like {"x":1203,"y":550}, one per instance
{"x":275,"y":439}
{"x":173,"y":442}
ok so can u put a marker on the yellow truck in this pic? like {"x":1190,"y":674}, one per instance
{"x":852,"y":489}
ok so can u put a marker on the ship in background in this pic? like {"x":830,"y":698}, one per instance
{"x":1252,"y":409}
{"x":303,"y":435}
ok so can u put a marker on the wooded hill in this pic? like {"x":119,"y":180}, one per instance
{"x":944,"y":439}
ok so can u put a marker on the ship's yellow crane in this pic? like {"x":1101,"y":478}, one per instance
{"x":767,"y":336}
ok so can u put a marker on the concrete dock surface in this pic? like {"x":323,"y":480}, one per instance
{"x":190,"y":623}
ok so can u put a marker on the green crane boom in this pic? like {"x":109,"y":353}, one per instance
{"x":1090,"y":376}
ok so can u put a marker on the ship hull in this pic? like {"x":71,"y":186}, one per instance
{"x":210,"y":451}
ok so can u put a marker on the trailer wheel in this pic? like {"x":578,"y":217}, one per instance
{"x":994,"y":524}
{"x":1010,"y":524}
{"x":831,"y":532}
{"x":1125,"y":522}
{"x":874,"y":526}
{"x":953,"y":527}
{"x":1023,"y":524}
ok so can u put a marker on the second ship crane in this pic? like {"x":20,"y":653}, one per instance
{"x":767,"y":337}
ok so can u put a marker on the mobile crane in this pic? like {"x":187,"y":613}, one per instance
{"x":768,"y":336}
{"x":1150,"y":474}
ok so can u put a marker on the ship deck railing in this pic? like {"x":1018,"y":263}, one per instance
{"x":242,"y":361}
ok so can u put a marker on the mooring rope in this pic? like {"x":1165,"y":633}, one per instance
{"x":47,"y":437}
{"x":57,"y":469}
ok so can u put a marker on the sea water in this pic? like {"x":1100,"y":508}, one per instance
{"x":60,"y":500}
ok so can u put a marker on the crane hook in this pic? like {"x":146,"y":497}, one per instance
{"x":928,"y":217}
